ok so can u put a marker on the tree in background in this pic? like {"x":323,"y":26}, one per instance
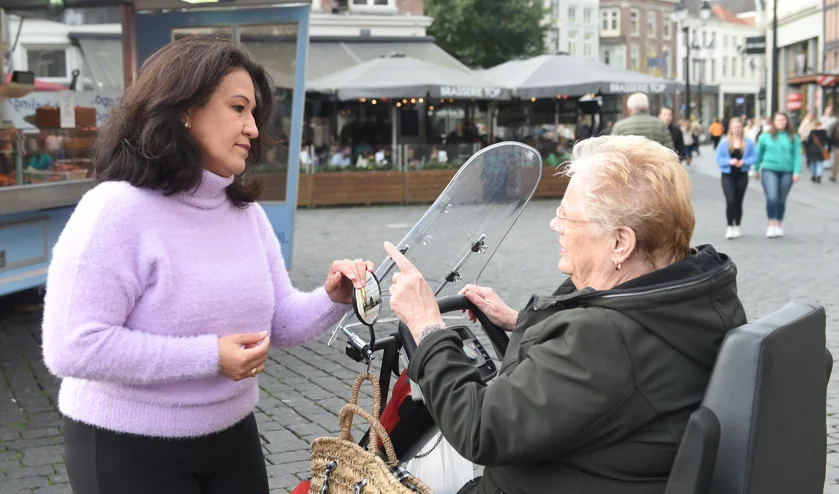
{"x":485,"y":33}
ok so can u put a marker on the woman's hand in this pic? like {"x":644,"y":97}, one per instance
{"x":243,"y":355}
{"x":795,"y":178}
{"x":488,"y":302}
{"x":411,"y":299}
{"x":732,"y":162}
{"x":344,"y":277}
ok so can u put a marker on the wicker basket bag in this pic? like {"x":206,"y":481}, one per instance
{"x":340,"y":466}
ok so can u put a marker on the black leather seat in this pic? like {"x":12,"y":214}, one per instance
{"x":767,"y":391}
{"x":697,"y":455}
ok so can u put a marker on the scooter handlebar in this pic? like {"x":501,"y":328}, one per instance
{"x":497,"y":336}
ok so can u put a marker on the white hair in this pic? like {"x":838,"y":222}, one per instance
{"x":638,"y":102}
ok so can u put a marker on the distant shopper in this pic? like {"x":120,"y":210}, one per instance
{"x":735,"y":156}
{"x":716,"y":130}
{"x":778,"y":166}
{"x":666,"y":116}
{"x":818,"y":151}
{"x":641,"y":123}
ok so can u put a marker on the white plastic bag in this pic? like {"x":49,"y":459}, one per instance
{"x":441,"y":467}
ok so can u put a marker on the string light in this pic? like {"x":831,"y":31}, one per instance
{"x":398,"y":104}
{"x":374,"y":102}
{"x":430,"y":108}
{"x":421,"y":100}
{"x":413,"y":101}
{"x":363,"y":100}
{"x":533,"y":99}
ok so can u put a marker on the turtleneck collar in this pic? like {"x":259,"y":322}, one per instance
{"x":211,"y":192}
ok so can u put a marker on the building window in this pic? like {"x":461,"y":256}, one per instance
{"x":724,"y":66}
{"x":609,"y":24}
{"x":371,"y":3}
{"x":555,"y":40}
{"x":652,"y":18}
{"x":734,"y":67}
{"x":667,"y":27}
{"x":47,"y":63}
{"x":607,"y":57}
{"x":555,"y":9}
{"x":713,"y":75}
{"x":587,"y":16}
{"x":634,"y":26}
{"x":572,"y":42}
{"x":725,"y":41}
{"x":633,"y":57}
{"x":743,"y":67}
{"x":572,"y":14}
{"x":587,"y":45}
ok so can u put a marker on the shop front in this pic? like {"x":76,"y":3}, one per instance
{"x":45,"y":144}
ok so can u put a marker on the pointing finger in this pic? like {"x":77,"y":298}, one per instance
{"x":404,"y":264}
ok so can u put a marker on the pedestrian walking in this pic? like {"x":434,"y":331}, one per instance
{"x":666,"y":116}
{"x":735,"y":156}
{"x":641,"y":123}
{"x":168,"y":285}
{"x":716,"y":130}
{"x":778,"y":166}
{"x":818,"y":151}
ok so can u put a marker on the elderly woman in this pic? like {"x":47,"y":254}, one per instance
{"x":601,"y":376}
{"x":168,"y":285}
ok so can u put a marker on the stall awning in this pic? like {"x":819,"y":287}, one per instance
{"x":406,"y":77}
{"x":102,"y":59}
{"x":549,"y":76}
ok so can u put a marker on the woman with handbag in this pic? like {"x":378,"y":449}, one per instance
{"x":778,"y":167}
{"x":168,"y":285}
{"x":818,"y":151}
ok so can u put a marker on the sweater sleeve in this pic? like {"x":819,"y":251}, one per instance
{"x":724,"y":156}
{"x":96,"y":275}
{"x":298,"y":316}
{"x":796,"y":155}
{"x":750,"y":156}
{"x":761,"y":151}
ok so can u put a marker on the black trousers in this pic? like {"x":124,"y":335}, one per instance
{"x":104,"y":462}
{"x":734,"y":187}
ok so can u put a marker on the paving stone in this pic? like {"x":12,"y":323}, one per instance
{"x":22,"y":473}
{"x":303,"y":388}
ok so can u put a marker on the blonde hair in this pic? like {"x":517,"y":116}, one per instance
{"x":638,"y":183}
{"x":730,"y":133}
{"x":638,"y":102}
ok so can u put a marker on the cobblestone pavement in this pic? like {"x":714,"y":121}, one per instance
{"x":303,"y":388}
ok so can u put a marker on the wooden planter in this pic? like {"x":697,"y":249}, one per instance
{"x":350,"y":188}
{"x":425,"y":186}
{"x":551,"y":186}
{"x":391,"y":187}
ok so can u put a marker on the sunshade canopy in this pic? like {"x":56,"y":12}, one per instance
{"x":548,"y":76}
{"x":406,"y":77}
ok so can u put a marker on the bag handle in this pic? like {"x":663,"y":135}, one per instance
{"x":377,"y":398}
{"x":377,"y":431}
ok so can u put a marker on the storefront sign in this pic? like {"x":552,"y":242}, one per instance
{"x":67,"y":110}
{"x":637,"y":87}
{"x":794,"y":101}
{"x":756,"y":45}
{"x":20,"y":112}
{"x":476,"y":92}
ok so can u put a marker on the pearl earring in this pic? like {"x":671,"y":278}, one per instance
{"x":617,"y":266}
{"x":186,"y":124}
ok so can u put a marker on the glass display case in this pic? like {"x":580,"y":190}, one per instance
{"x":38,"y":157}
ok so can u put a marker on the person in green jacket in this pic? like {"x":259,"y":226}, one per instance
{"x":778,"y":166}
{"x":599,"y":378}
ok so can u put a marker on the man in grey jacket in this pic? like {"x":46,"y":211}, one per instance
{"x":641,"y":123}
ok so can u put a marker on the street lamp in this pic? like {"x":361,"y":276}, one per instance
{"x":680,"y":17}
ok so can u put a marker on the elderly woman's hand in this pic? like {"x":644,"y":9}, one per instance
{"x":345,"y":276}
{"x":488,"y":302}
{"x":411,"y":299}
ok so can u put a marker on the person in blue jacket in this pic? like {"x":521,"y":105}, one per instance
{"x":736,"y":154}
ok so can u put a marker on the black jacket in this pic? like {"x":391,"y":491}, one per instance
{"x":813,"y":151}
{"x":678,"y":140}
{"x":596,"y":387}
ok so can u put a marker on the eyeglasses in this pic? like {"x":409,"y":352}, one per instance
{"x":560,"y":214}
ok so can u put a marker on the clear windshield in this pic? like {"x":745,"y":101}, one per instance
{"x":455,"y":239}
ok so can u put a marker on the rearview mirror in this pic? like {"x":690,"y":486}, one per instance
{"x":367,"y":301}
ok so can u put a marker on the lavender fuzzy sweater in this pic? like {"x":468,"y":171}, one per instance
{"x":140,"y":288}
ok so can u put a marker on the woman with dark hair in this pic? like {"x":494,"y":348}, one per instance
{"x":778,"y":166}
{"x":168,"y":285}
